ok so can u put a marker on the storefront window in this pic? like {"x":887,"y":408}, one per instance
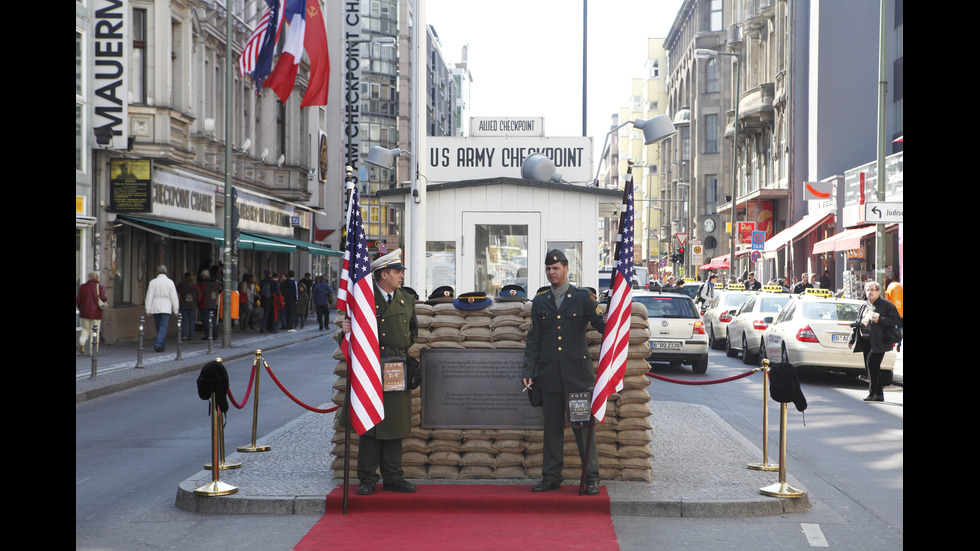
{"x":573,"y":250}
{"x":501,"y":257}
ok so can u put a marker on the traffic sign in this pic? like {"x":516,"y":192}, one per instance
{"x":681,"y":238}
{"x":758,"y":240}
{"x":755,"y":256}
{"x":883,"y":212}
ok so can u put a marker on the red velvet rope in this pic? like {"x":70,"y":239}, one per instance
{"x":293,"y":398}
{"x":712,"y":382}
{"x":248,"y":390}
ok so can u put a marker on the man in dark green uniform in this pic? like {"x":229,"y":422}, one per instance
{"x":381,"y":447}
{"x":557,"y":361}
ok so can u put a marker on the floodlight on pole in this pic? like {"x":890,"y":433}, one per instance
{"x":703,"y":53}
{"x":654,"y":130}
{"x":540,"y":168}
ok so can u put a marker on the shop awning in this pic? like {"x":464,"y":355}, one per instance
{"x":847,"y":240}
{"x":312,"y":248}
{"x":797,"y":231}
{"x":217,"y":235}
{"x":717,"y":263}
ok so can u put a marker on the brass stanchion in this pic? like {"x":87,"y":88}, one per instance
{"x":215,"y":487}
{"x":223,"y":465}
{"x":139,"y":343}
{"x":781,"y":488}
{"x":255,"y":409}
{"x":765,"y":465}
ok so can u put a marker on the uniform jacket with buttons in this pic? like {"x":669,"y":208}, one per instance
{"x":397,"y":330}
{"x":557,"y":355}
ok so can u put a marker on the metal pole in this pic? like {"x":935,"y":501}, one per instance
{"x":781,"y":488}
{"x":229,"y":203}
{"x":880,"y":177}
{"x":139,"y":343}
{"x":180,"y":335}
{"x":95,"y":349}
{"x":215,"y":487}
{"x":738,"y":78}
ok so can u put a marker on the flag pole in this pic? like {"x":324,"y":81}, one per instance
{"x":619,"y":244}
{"x":349,"y":189}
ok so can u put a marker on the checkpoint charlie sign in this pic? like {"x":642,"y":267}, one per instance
{"x":451,"y":159}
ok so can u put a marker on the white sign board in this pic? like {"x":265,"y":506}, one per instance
{"x":452,"y":159}
{"x":506,"y":126}
{"x":883,"y":213}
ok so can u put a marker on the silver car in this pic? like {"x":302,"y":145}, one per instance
{"x":813,"y":332}
{"x":745,"y":331}
{"x":720,"y":312}
{"x":676,"y":332}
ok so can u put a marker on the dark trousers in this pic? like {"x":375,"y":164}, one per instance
{"x":322,"y":315}
{"x":555,"y":404}
{"x":373,"y":453}
{"x":872,"y":362}
{"x":291,"y":315}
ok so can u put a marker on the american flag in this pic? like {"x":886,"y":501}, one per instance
{"x":616,"y":338}
{"x":257,"y":54}
{"x":360,"y":346}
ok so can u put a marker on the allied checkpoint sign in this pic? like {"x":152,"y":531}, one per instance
{"x":453,"y":158}
{"x":476,"y":389}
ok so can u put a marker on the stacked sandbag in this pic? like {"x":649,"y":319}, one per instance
{"x":622,"y":441}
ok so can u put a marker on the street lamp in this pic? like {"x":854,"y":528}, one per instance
{"x":702,"y":53}
{"x":654,"y":130}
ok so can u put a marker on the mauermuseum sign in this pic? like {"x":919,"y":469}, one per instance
{"x":475,"y":389}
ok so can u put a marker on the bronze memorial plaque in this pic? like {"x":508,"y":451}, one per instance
{"x":475,"y":389}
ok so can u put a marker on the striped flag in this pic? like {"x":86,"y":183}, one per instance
{"x":360,"y":346}
{"x":256,"y":58}
{"x":616,"y":338}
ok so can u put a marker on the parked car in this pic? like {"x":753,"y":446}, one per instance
{"x":719,"y":311}
{"x":676,"y":332}
{"x":813,"y":332}
{"x":745,"y":331}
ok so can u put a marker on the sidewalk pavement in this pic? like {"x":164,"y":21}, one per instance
{"x":699,"y":460}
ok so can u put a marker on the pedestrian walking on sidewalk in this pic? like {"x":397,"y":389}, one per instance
{"x":161,"y":302}
{"x":91,"y":300}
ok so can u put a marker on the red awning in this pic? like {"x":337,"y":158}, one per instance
{"x":798,"y":230}
{"x":717,"y":263}
{"x":847,"y":240}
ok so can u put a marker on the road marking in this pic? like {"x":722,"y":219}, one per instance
{"x":814,"y":535}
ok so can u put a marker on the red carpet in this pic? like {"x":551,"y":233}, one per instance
{"x":465,"y":517}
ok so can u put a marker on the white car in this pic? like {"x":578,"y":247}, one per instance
{"x":676,"y":332}
{"x":745,"y":331}
{"x":719,"y":312}
{"x":813,"y":332}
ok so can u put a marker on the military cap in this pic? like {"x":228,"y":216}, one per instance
{"x":512,"y":293}
{"x":472,"y":301}
{"x":391,"y":260}
{"x":555,"y":255}
{"x":441,"y":294}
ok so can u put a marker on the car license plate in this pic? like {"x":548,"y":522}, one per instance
{"x":840,"y":337}
{"x":663,"y":345}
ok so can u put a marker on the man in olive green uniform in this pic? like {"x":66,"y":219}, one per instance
{"x":557,"y":361}
{"x":381,"y":447}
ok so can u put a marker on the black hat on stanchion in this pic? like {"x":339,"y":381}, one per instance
{"x":214,"y":379}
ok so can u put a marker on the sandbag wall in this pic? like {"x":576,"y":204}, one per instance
{"x":460,"y":454}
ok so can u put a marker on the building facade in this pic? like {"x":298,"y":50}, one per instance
{"x":150,"y":153}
